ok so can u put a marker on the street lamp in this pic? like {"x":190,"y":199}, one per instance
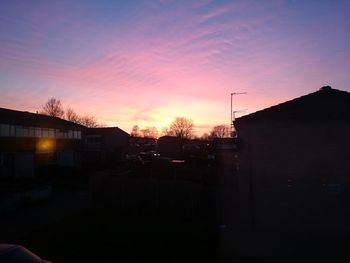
{"x":234,"y":93}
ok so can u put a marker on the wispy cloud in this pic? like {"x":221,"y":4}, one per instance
{"x":146,"y":62}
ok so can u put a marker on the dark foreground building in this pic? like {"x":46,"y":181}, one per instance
{"x":29,"y":141}
{"x":105,"y":147}
{"x":294,"y":164}
{"x":291,"y":181}
{"x":171,"y":146}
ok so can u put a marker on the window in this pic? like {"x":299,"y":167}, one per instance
{"x":45,"y":132}
{"x":51,"y":133}
{"x":37,"y":132}
{"x":4,"y":130}
{"x":31,"y":132}
{"x":93,"y":139}
{"x":70,"y":134}
{"x":12,"y":130}
{"x":59,"y":134}
{"x":77,"y":135}
{"x":22,"y":131}
{"x":18,"y":131}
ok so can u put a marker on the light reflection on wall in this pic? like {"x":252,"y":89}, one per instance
{"x":45,"y":145}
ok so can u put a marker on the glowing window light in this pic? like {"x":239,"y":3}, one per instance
{"x":45,"y":145}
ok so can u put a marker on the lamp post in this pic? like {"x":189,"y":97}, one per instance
{"x":234,"y":93}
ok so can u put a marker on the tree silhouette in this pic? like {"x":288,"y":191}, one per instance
{"x":53,"y":107}
{"x":182,"y":127}
{"x":150,"y":132}
{"x":205,"y":136}
{"x":72,"y":116}
{"x":166,"y":132}
{"x":135,"y":132}
{"x":89,"y":121}
{"x":220,"y":131}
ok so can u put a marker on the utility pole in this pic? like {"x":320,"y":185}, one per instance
{"x":234,"y":93}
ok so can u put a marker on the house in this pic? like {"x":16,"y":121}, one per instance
{"x":171,"y":146}
{"x":142,"y":144}
{"x":105,"y":146}
{"x":29,"y":141}
{"x":294,"y":172}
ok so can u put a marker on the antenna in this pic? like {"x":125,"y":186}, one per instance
{"x":232,"y":112}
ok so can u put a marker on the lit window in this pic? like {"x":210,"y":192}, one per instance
{"x":45,"y":146}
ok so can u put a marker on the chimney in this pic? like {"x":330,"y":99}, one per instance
{"x":326,"y":88}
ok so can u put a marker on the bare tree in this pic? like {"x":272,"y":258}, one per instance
{"x":166,"y":132}
{"x":205,"y":136}
{"x":150,"y":132}
{"x":135,"y":132}
{"x":220,"y":131}
{"x":89,"y":121}
{"x":153,"y":132}
{"x":53,"y":107}
{"x":145,"y":133}
{"x":72,"y":116}
{"x":182,"y":127}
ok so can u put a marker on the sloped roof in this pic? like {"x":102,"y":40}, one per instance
{"x":106,"y":130}
{"x":324,"y":105}
{"x":24,"y":118}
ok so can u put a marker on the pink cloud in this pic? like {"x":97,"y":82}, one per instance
{"x":180,"y":60}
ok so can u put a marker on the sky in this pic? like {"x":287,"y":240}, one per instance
{"x":147,"y":62}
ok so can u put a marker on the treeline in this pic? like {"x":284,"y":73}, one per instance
{"x":180,"y":127}
{"x":183,"y":128}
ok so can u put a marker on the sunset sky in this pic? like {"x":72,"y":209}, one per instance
{"x":146,"y":62}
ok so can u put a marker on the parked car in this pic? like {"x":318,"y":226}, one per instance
{"x":18,"y":254}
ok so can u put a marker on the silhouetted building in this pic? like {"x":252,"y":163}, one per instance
{"x":294,"y":164}
{"x":142,"y":144}
{"x":29,"y":141}
{"x":105,"y":146}
{"x":171,"y":146}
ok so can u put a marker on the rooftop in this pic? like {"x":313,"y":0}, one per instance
{"x":326,"y":104}
{"x":24,"y":118}
{"x":105,"y":130}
